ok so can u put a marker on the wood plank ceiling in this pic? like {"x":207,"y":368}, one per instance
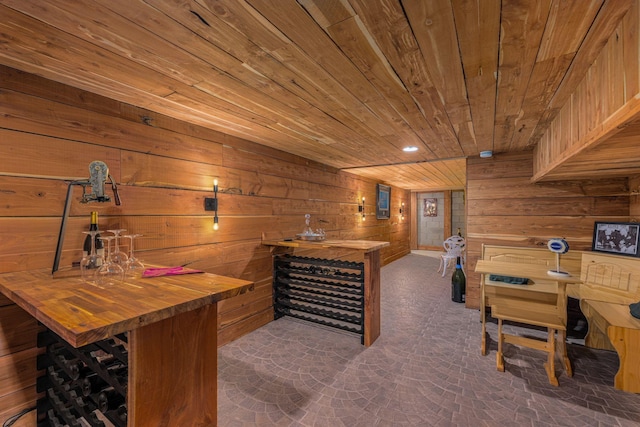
{"x":348,"y":83}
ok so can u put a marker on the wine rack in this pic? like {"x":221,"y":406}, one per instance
{"x":84,"y":386}
{"x":327,"y":292}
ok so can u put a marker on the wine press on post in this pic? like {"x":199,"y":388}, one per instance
{"x":98,"y":174}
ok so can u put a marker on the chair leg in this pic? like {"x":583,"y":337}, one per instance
{"x":550,"y":366}
{"x":446,"y":266}
{"x":441,"y":264}
{"x":499,"y":358}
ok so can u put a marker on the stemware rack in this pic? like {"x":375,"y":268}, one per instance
{"x":327,"y":292}
{"x":84,"y":386}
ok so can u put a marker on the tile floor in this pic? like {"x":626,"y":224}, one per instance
{"x":424,"y":370}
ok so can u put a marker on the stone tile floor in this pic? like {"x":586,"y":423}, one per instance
{"x":424,"y":370}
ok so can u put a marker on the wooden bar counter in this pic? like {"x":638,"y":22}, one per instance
{"x":172,"y":328}
{"x":371,"y":251}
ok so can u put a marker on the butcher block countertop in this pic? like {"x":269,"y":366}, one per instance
{"x":82,"y":313}
{"x":359,"y":245}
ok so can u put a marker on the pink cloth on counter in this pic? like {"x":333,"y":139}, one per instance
{"x":168,"y":271}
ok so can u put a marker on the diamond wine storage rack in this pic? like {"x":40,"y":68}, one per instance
{"x":328,"y":292}
{"x":84,"y":386}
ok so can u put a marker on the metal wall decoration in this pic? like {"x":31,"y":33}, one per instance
{"x":430,"y":207}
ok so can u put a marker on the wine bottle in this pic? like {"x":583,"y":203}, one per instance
{"x":86,"y":250}
{"x":458,"y":283}
{"x":109,"y":399}
{"x":91,"y":384}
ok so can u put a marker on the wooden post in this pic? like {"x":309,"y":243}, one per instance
{"x":371,"y":297}
{"x":173,"y":371}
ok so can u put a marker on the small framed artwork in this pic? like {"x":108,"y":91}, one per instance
{"x":430,"y":207}
{"x":383,"y":202}
{"x":619,"y":238}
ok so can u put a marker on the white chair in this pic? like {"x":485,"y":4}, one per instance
{"x":454,"y":247}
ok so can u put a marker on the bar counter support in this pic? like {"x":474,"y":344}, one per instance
{"x":173,"y":371}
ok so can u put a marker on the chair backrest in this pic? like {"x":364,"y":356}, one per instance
{"x":454,"y":245}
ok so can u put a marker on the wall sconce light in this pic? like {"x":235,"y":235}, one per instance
{"x":211,"y":204}
{"x":361,"y":209}
{"x":402,"y":211}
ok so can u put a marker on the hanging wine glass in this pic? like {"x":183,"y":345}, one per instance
{"x":109,"y":272}
{"x":91,"y":261}
{"x":134,"y":268}
{"x":117,"y":256}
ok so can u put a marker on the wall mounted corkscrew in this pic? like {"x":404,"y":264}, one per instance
{"x":98,"y":174}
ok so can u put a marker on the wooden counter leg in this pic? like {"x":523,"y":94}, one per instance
{"x":627,"y":344}
{"x":371,"y":297}
{"x":562,"y":350}
{"x":596,"y":337}
{"x":173,"y":371}
{"x":483,"y":321}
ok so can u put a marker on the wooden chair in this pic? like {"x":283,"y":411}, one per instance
{"x":538,"y":316}
{"x":542,"y":302}
{"x":454,"y":247}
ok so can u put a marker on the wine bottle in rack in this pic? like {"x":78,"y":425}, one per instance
{"x":109,"y":399}
{"x":92,"y":384}
{"x":86,"y":250}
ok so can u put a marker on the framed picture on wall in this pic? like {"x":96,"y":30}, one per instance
{"x":619,"y":238}
{"x":430,"y":207}
{"x":383,"y":202}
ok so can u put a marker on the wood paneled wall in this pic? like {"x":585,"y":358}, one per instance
{"x":49,"y":133}
{"x":634,"y":202}
{"x":505,"y":208}
{"x":601,"y":106}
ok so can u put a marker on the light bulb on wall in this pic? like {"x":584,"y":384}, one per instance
{"x":402,"y":211}
{"x":361,"y":209}
{"x":211,"y":204}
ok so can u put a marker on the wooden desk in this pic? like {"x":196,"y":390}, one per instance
{"x":524,"y":304}
{"x":550,"y":290}
{"x":371,"y":251}
{"x":172,"y":326}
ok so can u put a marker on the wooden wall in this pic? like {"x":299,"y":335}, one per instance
{"x":505,"y":208}
{"x":49,"y":133}
{"x":601,"y":106}
{"x":634,"y":208}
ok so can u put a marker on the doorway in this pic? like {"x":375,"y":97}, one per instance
{"x":438,"y":216}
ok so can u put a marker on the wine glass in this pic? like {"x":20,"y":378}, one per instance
{"x":133,"y":267}
{"x":117,"y":256}
{"x":109,"y":272}
{"x":92,"y":261}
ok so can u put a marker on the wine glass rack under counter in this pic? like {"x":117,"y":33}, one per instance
{"x":139,"y":341}
{"x":332,"y":292}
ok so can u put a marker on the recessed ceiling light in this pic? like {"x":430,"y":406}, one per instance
{"x":410,"y":149}
{"x":486,"y":154}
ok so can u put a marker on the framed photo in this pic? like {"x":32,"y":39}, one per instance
{"x":430,"y":207}
{"x":383,"y":202}
{"x":619,"y":238}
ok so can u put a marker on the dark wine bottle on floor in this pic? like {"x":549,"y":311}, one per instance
{"x":458,"y":283}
